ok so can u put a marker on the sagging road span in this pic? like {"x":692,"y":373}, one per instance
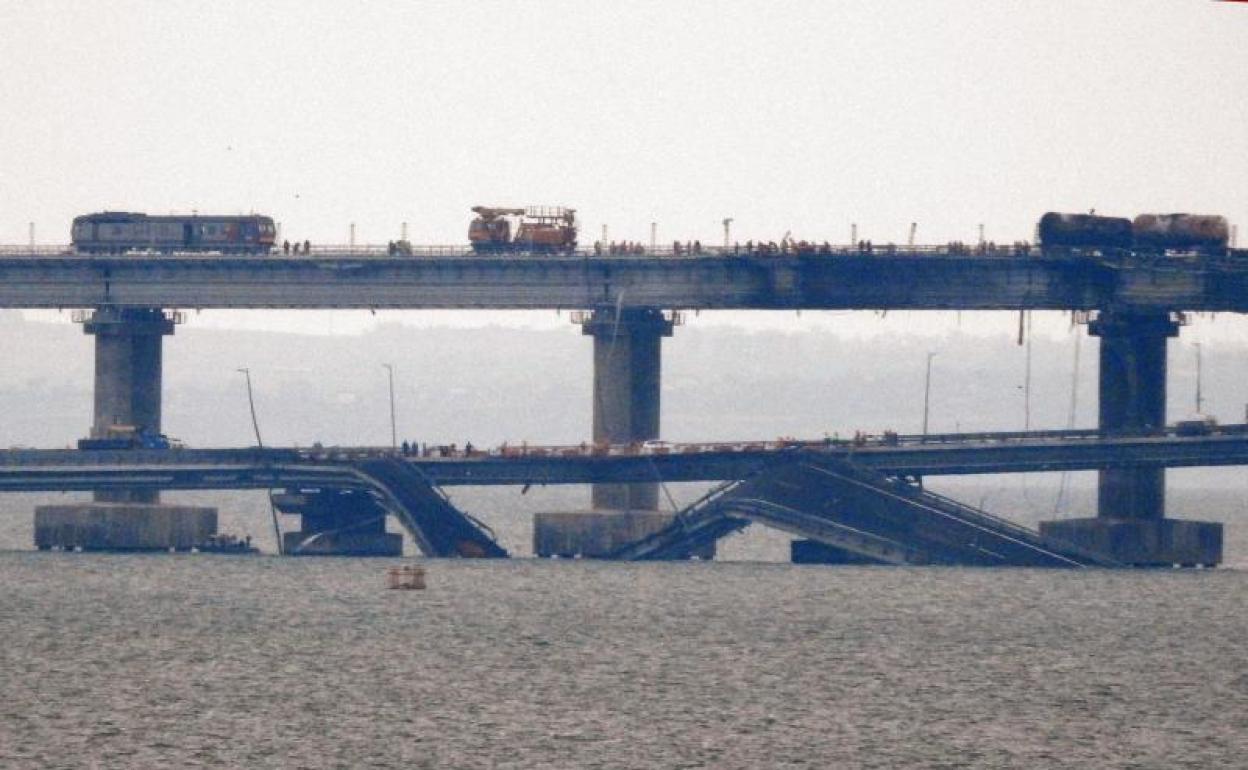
{"x":66,"y":470}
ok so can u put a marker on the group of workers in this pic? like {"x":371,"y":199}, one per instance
{"x":623,"y":247}
{"x":413,"y":449}
{"x":399,"y":249}
{"x":787,"y":245}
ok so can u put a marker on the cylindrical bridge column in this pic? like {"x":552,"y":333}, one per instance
{"x":1132,"y":400}
{"x":627,"y":356}
{"x":127,"y":378}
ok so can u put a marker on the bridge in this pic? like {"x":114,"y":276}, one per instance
{"x":1133,"y":302}
{"x":70,"y":470}
{"x":884,"y":467}
{"x":913,"y":278}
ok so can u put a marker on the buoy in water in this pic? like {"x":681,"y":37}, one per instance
{"x":407,"y":577}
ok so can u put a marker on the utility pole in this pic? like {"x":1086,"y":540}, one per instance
{"x":727,"y":224}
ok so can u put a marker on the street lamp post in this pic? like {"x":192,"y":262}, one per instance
{"x":1199,"y":397}
{"x":251,"y":403}
{"x":927,"y":391}
{"x":255,"y":424}
{"x":394,"y":443}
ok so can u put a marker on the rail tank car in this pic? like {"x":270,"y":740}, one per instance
{"x":116,"y":232}
{"x":1207,"y":234}
{"x":1084,"y":231}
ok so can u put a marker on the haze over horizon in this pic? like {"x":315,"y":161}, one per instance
{"x":804,"y":117}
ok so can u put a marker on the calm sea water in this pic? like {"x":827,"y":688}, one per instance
{"x":213,"y":661}
{"x":162,"y":661}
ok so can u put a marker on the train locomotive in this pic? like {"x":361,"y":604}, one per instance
{"x":117,"y":232}
{"x":1199,"y":234}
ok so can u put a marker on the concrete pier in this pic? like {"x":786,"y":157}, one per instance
{"x":627,"y":375}
{"x":128,"y":355}
{"x":1132,"y":400}
{"x":128,"y":358}
{"x":337,"y":523}
{"x":1130,"y":524}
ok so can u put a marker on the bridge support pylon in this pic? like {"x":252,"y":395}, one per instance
{"x":627,"y":376}
{"x":1130,"y":524}
{"x":626,"y":396}
{"x":128,"y":373}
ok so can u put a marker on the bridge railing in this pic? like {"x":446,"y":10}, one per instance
{"x":523,"y":450}
{"x":1233,"y":258}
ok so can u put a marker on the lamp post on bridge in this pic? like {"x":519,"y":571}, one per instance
{"x":927,"y":391}
{"x":1200,"y":401}
{"x":255,"y":424}
{"x":394,"y":440}
{"x":251,"y":403}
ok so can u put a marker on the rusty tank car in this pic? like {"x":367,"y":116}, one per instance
{"x":1063,"y":232}
{"x":1200,"y":233}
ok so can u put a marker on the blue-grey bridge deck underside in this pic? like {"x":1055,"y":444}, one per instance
{"x":838,"y":281}
{"x":71,"y":470}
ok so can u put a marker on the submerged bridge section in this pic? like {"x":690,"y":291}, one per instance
{"x":858,"y":515}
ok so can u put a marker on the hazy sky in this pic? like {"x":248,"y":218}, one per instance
{"x":801,"y":116}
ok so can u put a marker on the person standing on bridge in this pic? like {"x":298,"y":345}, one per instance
{"x":307,"y":247}
{"x":286,"y":247}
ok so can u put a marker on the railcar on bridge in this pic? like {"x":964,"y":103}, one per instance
{"x":118,"y":232}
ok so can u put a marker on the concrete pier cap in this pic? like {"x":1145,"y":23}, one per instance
{"x":1130,"y":524}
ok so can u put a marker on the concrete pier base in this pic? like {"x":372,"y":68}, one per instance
{"x":123,"y":526}
{"x":337,"y":523}
{"x":1144,"y":542}
{"x":596,"y":534}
